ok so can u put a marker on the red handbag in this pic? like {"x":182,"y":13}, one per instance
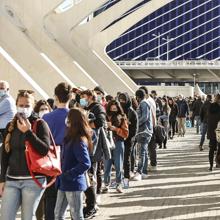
{"x":49,"y":165}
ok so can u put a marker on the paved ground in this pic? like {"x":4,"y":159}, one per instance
{"x":182,"y":188}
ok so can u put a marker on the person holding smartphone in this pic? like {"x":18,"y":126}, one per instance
{"x":17,"y":188}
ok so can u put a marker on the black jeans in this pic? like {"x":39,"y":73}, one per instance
{"x":90,"y":193}
{"x":50,"y":201}
{"x":99,"y":177}
{"x":152,"y":151}
{"x":173,"y":126}
{"x":127,"y":158}
{"x":213,"y":146}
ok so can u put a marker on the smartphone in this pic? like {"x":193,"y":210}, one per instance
{"x":21,"y":116}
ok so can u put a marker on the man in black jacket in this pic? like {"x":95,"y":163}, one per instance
{"x":183,"y":112}
{"x":131,"y":114}
{"x":89,"y":102}
{"x":204,"y":120}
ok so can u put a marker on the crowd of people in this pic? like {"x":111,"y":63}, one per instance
{"x":97,"y":134}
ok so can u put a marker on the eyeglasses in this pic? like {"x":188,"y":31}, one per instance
{"x":22,"y":91}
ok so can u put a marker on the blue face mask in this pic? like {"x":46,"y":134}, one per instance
{"x":99,"y":98}
{"x":83,"y":102}
{"x":2,"y":93}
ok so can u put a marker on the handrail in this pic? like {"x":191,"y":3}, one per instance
{"x":181,"y":55}
{"x":145,"y":24}
{"x":181,"y":34}
{"x":170,"y":63}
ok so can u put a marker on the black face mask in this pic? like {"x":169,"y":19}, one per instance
{"x":124,"y":106}
{"x":113,"y":113}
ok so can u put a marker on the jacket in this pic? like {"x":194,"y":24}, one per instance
{"x":101,"y":150}
{"x":213,"y":119}
{"x":15,"y":160}
{"x":183,"y":109}
{"x":204,"y":111}
{"x":100,"y":115}
{"x":173,"y":112}
{"x":197,"y":107}
{"x":131,"y":116}
{"x":145,"y":118}
{"x":100,"y":122}
{"x":75,"y":162}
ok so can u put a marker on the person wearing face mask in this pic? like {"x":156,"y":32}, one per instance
{"x":183,"y":112}
{"x":7,"y":107}
{"x":100,"y":93}
{"x":132,"y":117}
{"x":145,"y":132}
{"x":213,"y":119}
{"x":42,"y":107}
{"x":93,"y":193}
{"x":17,"y":188}
{"x":56,"y":121}
{"x":118,"y":124}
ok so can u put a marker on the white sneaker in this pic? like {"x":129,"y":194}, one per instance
{"x":98,"y":199}
{"x":144,"y":176}
{"x":132,"y":175}
{"x":119,"y":188}
{"x":126,"y":183}
{"x":152,"y":168}
{"x":137,"y":177}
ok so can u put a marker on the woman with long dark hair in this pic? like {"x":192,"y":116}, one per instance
{"x":172,"y":116}
{"x":164,"y":119}
{"x":75,"y":162}
{"x":117,"y":123}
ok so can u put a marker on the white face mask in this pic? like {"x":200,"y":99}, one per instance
{"x":26,"y":111}
{"x":42,"y":113}
{"x":2,"y":92}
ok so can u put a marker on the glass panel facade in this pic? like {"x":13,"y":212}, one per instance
{"x":191,"y":26}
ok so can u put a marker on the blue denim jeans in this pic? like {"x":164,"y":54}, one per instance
{"x":75,"y":202}
{"x":198,"y":123}
{"x":143,"y":155}
{"x":118,"y":159}
{"x":24,"y":193}
{"x":204,"y":128}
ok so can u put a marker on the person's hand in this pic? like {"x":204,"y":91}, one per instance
{"x":23,"y":125}
{"x":112,"y":128}
{"x":2,"y":186}
{"x":109,"y":124}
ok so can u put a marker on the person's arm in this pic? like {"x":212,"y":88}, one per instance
{"x":123,"y":130}
{"x":143,"y":116}
{"x":4,"y":159}
{"x":133,"y":124}
{"x":201,"y":114}
{"x":4,"y":106}
{"x":41,"y":140}
{"x":83,"y":159}
{"x":100,"y":115}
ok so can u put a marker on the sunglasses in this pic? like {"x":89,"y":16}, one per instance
{"x":23,"y":91}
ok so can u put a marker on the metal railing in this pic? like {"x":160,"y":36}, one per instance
{"x":175,"y":64}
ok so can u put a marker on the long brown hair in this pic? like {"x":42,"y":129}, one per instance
{"x":78,"y":127}
{"x":12,"y":125}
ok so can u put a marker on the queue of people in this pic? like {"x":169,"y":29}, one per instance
{"x":95,"y":133}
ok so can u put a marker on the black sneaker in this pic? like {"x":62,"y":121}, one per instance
{"x":89,"y":214}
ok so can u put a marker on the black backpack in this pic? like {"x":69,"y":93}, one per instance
{"x":159,"y":134}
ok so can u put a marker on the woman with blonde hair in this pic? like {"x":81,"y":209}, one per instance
{"x":17,"y":187}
